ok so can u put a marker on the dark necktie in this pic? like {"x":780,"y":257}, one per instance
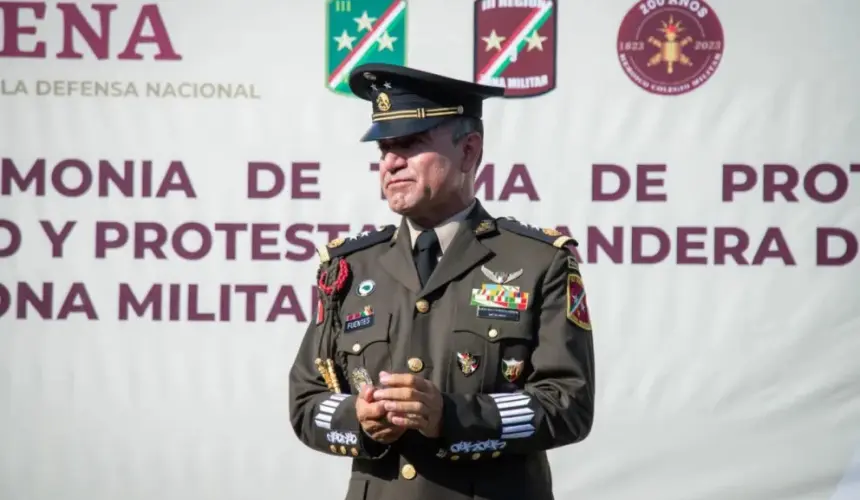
{"x":426,"y":251}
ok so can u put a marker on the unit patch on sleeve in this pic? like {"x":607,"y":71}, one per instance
{"x":577,"y":306}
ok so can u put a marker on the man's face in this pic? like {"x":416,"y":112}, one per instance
{"x":422,"y":171}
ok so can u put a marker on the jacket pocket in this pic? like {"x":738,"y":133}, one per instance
{"x":488,"y":355}
{"x":366,"y":350}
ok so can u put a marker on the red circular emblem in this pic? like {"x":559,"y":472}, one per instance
{"x":670,"y":47}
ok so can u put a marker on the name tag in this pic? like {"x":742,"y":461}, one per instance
{"x":502,"y":314}
{"x":358,"y":324}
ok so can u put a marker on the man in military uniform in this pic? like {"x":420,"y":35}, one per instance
{"x":449,"y":353}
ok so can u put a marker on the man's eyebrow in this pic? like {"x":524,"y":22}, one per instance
{"x":402,"y":141}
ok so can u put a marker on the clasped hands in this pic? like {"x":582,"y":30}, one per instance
{"x":405,"y":402}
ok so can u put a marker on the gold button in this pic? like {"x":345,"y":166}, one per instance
{"x":408,"y":471}
{"x":496,"y":454}
{"x":455,"y":457}
{"x":493,"y":333}
{"x":356,"y":347}
{"x":343,"y":450}
{"x":354,"y":452}
{"x":422,"y":305}
{"x":476,"y":456}
{"x":415,"y":364}
{"x":333,"y":448}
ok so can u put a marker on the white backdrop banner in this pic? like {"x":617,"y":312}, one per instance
{"x":169,"y":167}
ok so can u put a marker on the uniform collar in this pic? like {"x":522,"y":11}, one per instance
{"x":445,"y":231}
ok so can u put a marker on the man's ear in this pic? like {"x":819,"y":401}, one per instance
{"x":473,"y":151}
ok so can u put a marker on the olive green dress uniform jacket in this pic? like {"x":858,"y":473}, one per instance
{"x":516,"y":381}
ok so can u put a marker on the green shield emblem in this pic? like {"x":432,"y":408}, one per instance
{"x":362,"y":31}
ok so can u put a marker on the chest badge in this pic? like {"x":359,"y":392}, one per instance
{"x":359,"y":320}
{"x":468,"y":362}
{"x":365,"y":288}
{"x":501,"y":278}
{"x":512,"y":369}
{"x":360,"y":378}
{"x":499,"y":300}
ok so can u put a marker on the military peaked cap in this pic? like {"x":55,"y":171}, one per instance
{"x":408,"y":101}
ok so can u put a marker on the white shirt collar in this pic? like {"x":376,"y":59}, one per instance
{"x":445,"y":231}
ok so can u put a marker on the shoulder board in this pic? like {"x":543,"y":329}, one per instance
{"x":345,"y":246}
{"x":547,"y":235}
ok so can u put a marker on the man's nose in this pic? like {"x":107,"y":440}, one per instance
{"x":392,"y":162}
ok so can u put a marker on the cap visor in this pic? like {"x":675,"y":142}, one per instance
{"x":391,"y":129}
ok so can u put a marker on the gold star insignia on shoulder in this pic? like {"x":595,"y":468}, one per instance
{"x":548,"y":235}
{"x":485,"y":226}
